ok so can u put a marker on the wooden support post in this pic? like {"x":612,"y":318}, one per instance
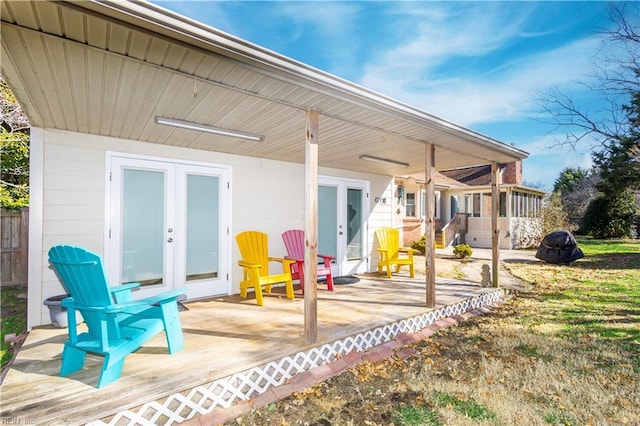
{"x":495,"y":208}
{"x":429,"y":233}
{"x":311,"y":228}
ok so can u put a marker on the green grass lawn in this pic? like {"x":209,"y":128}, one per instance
{"x":597,"y":296}
{"x":565,"y":353}
{"x":13,"y":311}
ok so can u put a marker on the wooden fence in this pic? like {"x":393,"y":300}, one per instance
{"x":14,"y":246}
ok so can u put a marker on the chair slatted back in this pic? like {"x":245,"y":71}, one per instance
{"x":82,"y":276}
{"x":294,"y":243}
{"x":389,"y":239}
{"x":254,"y":248}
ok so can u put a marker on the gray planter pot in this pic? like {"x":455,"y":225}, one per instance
{"x":57,"y":313}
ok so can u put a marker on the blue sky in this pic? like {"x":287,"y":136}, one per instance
{"x":482,"y":65}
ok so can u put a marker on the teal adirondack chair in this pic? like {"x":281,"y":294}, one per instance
{"x":117,"y":324}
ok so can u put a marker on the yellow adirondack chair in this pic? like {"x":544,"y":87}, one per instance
{"x":254,"y":247}
{"x":391,"y":253}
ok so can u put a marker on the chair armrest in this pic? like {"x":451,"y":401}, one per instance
{"x":167,"y":296}
{"x":294,"y":258}
{"x":282,"y":260}
{"x":119,"y":307}
{"x":123,"y":287}
{"x":408,"y":250}
{"x":69,"y":303}
{"x":249,"y":265}
{"x":326,"y":257}
{"x":122,"y":293}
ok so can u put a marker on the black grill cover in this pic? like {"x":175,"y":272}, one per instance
{"x":559,"y":247}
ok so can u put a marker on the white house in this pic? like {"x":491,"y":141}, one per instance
{"x":156,"y":139}
{"x":462,"y":207}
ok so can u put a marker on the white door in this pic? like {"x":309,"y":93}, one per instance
{"x":342,"y":213}
{"x":169,"y":226}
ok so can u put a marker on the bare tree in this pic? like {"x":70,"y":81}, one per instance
{"x":616,"y":76}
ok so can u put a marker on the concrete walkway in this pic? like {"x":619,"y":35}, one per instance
{"x":472,"y":267}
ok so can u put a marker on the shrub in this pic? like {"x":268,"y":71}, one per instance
{"x":611,"y":216}
{"x":419,"y":245}
{"x":463,"y":250}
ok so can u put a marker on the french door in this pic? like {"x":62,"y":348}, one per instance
{"x":168,"y":226}
{"x":342,"y":213}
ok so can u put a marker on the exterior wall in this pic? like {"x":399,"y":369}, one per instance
{"x":515,"y":233}
{"x":479,"y":232}
{"x":412,"y":230}
{"x":512,"y":173}
{"x":414,"y":227}
{"x":69,"y":200}
{"x":526,"y":232}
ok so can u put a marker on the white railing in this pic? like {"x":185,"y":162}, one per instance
{"x":243,"y":386}
{"x":455,"y":228}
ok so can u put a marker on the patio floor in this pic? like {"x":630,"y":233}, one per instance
{"x":224,"y":339}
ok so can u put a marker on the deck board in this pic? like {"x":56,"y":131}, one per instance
{"x":222,"y":336}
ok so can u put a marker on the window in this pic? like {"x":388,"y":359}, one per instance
{"x":400,"y":193}
{"x":467,"y":204}
{"x":503,"y":204}
{"x":486,"y":205}
{"x":476,"y":205}
{"x":525,"y":205}
{"x":455,"y":206}
{"x":411,"y":204}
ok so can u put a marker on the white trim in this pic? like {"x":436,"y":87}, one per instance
{"x":225,"y":173}
{"x":365,"y":186}
{"x":248,"y":384}
{"x":36,"y":208}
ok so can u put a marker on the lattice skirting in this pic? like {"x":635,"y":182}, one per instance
{"x":242,"y":386}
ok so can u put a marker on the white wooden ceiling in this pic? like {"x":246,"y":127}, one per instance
{"x":111,"y":68}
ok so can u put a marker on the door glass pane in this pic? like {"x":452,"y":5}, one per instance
{"x":454,"y":205}
{"x":476,"y":205}
{"x":328,"y":220}
{"x":411,"y":204}
{"x":142,"y":226}
{"x":354,"y":224}
{"x":202,"y":227}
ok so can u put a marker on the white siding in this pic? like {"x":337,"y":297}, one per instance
{"x":268,"y":195}
{"x":479,"y":232}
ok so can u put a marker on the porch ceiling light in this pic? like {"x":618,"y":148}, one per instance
{"x":208,"y":129}
{"x":383,"y":160}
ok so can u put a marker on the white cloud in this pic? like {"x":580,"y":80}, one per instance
{"x":464,"y":29}
{"x":413,"y":71}
{"x":333,"y":19}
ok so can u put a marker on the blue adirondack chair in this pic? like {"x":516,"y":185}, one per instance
{"x":117,"y":324}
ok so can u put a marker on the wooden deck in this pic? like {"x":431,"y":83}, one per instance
{"x":223,"y":336}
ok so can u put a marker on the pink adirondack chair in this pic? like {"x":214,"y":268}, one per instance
{"x":294,"y":243}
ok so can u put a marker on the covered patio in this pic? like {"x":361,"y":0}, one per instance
{"x":109,"y":84}
{"x":234,"y":351}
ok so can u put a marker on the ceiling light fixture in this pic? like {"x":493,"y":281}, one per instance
{"x":383,"y":160}
{"x":207,"y":129}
